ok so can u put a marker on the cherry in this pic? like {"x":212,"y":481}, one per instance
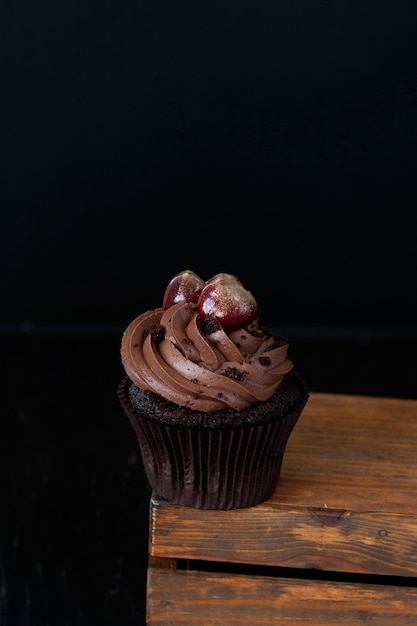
{"x":225,"y":298}
{"x":183,"y":287}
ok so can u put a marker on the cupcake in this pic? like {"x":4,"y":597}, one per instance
{"x":210,"y":393}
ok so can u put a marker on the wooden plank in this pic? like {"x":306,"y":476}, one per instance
{"x":352,"y":452}
{"x":346,"y":499}
{"x":196,"y":598}
{"x":361,"y":543}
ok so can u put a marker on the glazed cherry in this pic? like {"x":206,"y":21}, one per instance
{"x":183,"y":287}
{"x":225,"y":298}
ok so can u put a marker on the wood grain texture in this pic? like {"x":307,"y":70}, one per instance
{"x":210,"y":599}
{"x":346,"y":499}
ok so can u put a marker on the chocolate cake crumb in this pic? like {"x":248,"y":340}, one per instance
{"x":264,"y":360}
{"x":233,"y":372}
{"x":157,"y":332}
{"x":209,"y":325}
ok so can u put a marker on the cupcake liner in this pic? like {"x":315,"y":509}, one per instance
{"x":212,"y":468}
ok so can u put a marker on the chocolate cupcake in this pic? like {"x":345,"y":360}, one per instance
{"x":210,"y":393}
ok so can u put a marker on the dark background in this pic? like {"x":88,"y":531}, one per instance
{"x":273,"y":140}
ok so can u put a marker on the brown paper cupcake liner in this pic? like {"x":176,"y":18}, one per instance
{"x":212,"y":468}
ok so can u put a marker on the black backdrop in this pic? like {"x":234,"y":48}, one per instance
{"x":275,"y":140}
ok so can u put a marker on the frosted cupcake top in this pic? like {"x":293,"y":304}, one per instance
{"x":204,"y":348}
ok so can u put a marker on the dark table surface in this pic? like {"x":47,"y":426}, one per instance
{"x":74,"y":519}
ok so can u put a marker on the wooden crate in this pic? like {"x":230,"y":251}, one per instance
{"x":336,"y":544}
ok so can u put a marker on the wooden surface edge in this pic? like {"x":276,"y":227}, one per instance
{"x":192,"y":597}
{"x":366,"y":543}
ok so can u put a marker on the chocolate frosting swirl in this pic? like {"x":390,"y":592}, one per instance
{"x":196,"y":363}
